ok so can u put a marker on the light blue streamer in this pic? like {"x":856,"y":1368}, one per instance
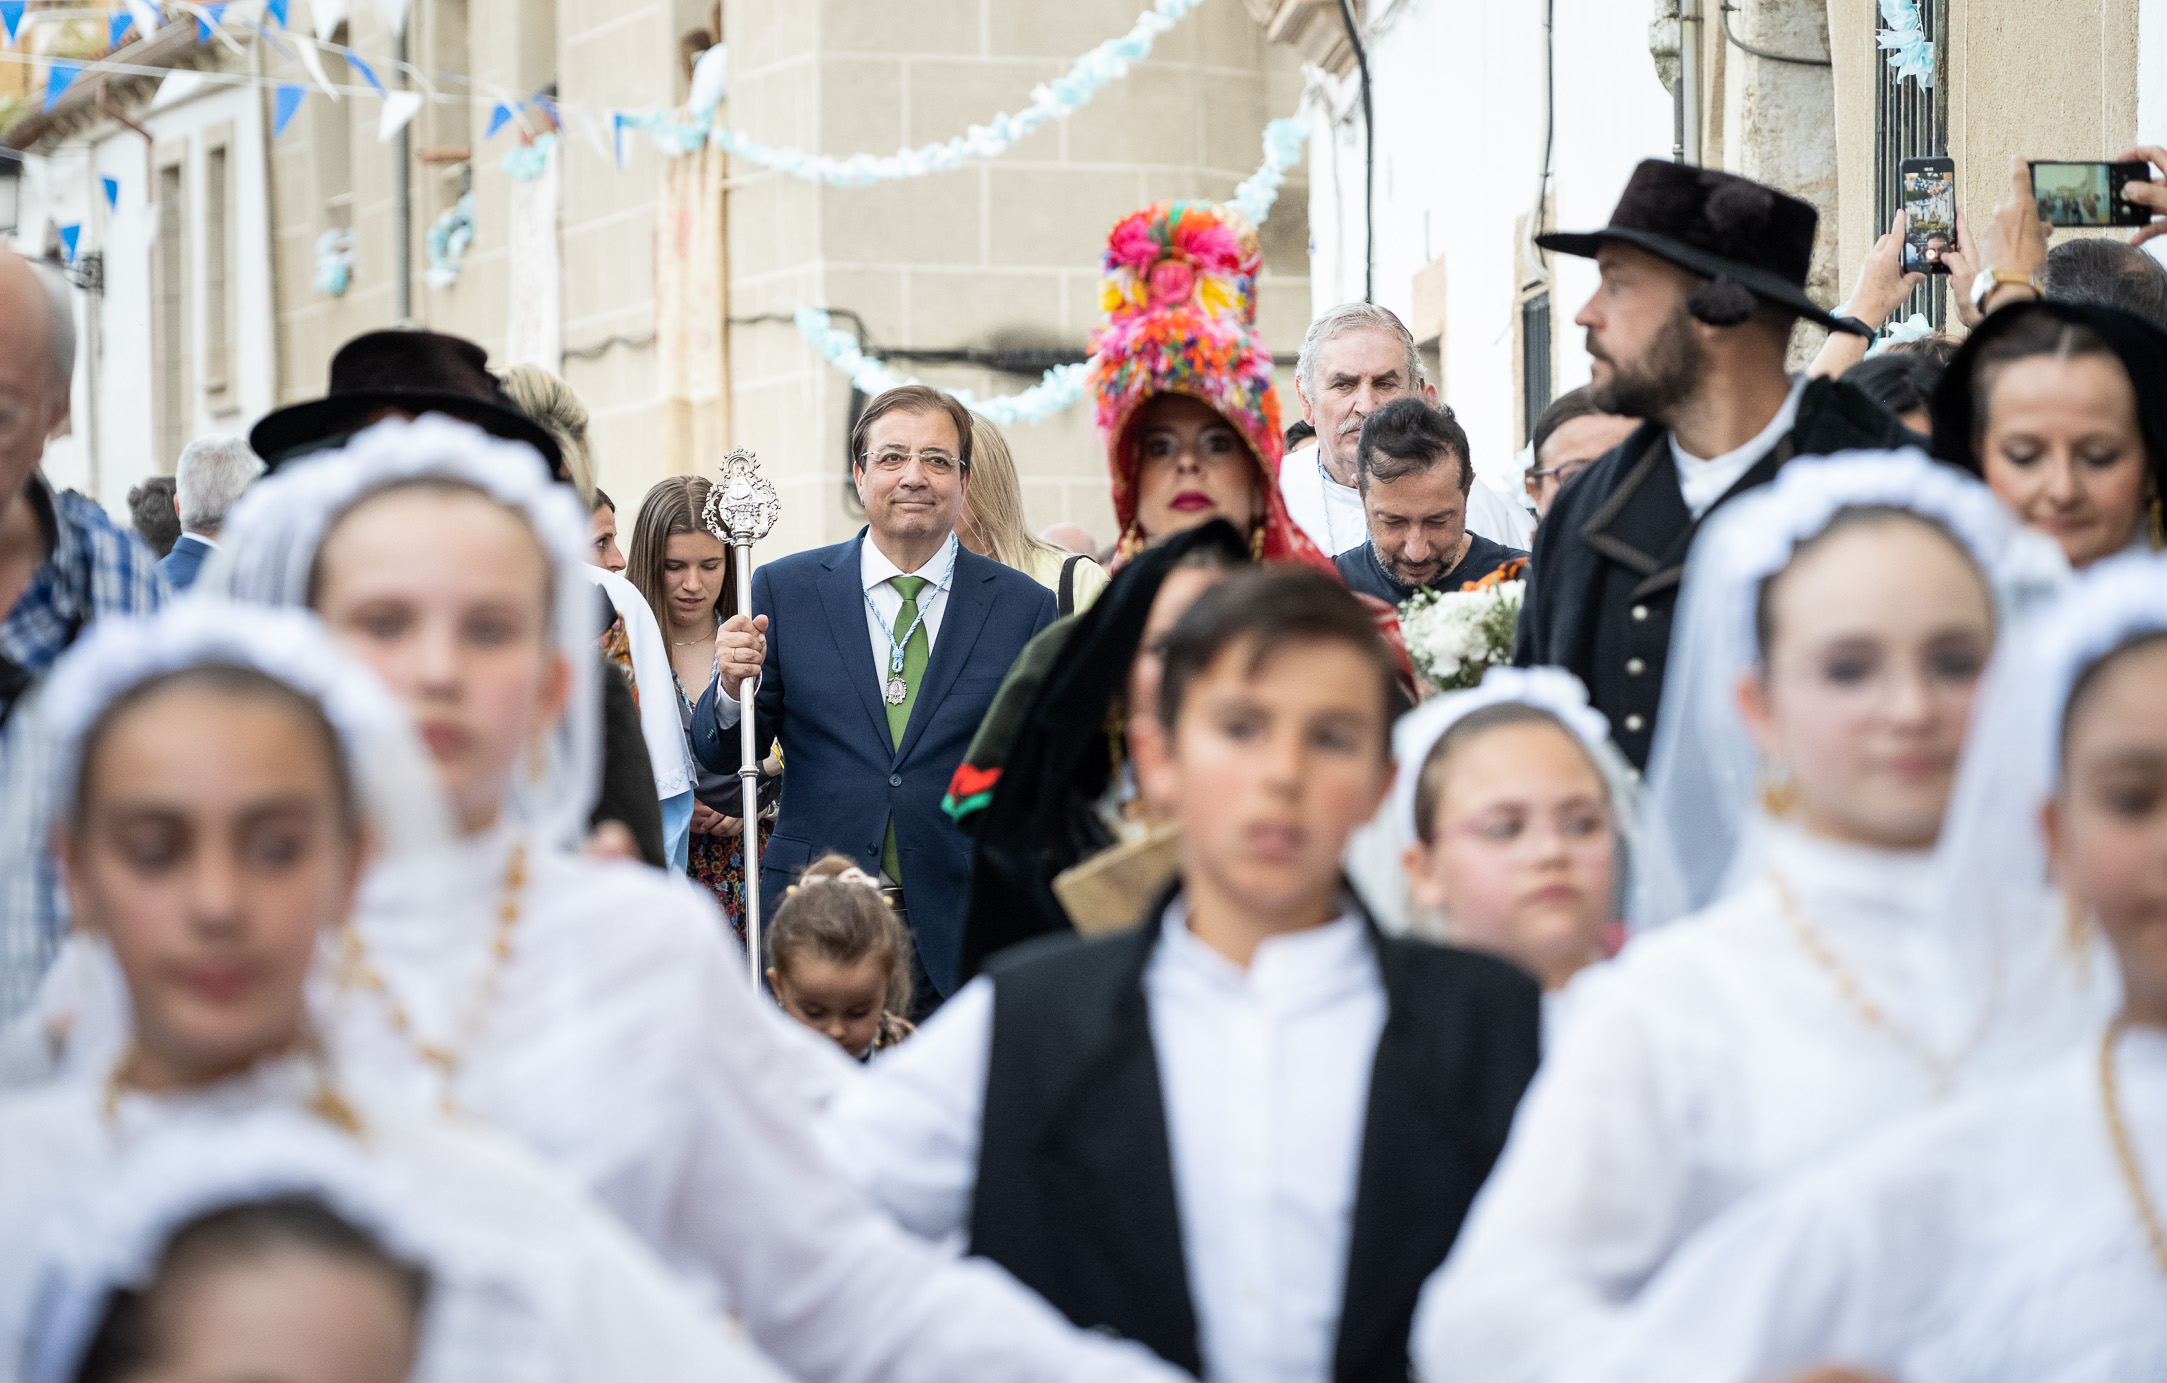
{"x":1911,"y":53}
{"x":1063,"y":385}
{"x":1057,"y":99}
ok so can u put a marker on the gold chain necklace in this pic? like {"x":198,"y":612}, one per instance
{"x":326,"y":1104}
{"x":1941,"y":1069}
{"x":2125,"y":1152}
{"x":357,"y":970}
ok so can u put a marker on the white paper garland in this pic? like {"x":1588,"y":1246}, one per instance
{"x":1063,"y":385}
{"x":1911,"y":53}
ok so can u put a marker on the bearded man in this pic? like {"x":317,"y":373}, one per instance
{"x":1703,"y":278}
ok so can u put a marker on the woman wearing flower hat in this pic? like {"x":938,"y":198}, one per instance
{"x":1184,"y":384}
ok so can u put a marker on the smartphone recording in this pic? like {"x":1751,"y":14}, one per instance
{"x":2087,"y":194}
{"x":1929,"y":196}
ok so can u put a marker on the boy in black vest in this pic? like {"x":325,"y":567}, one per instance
{"x":1244,"y":1132}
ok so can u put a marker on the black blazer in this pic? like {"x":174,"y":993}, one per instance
{"x":1075,"y":1193}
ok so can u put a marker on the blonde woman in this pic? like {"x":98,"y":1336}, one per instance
{"x":993,"y":526}
{"x":550,"y":404}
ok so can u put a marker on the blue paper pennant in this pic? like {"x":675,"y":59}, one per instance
{"x":11,"y":16}
{"x":59,"y":76}
{"x":499,"y":117}
{"x":283,"y":107}
{"x":112,"y":193}
{"x":70,"y":237}
{"x":277,"y":10}
{"x":117,"y":24}
{"x":368,"y":73}
{"x":208,"y":19}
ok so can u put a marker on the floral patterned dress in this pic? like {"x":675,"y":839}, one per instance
{"x":715,"y":862}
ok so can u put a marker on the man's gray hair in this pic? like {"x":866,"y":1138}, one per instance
{"x":60,"y":340}
{"x":1337,"y":322}
{"x":211,"y":476}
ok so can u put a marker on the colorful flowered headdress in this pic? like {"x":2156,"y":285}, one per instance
{"x":1179,"y":294}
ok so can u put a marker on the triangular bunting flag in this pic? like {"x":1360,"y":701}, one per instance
{"x":399,"y":107}
{"x":368,"y":73}
{"x":11,"y":17}
{"x":112,"y":193}
{"x":209,"y":19}
{"x":314,"y":62}
{"x":499,"y":116}
{"x":116,"y":24}
{"x":277,"y":10}
{"x":394,"y":13}
{"x":284,"y":105}
{"x":147,"y":18}
{"x":70,"y":237}
{"x":59,"y":76}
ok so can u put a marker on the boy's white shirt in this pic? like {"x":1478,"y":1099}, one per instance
{"x":1265,"y":1078}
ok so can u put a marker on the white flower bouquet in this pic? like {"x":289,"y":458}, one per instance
{"x":1453,"y":637}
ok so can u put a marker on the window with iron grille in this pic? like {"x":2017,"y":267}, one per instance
{"x":1911,"y":121}
{"x":1534,"y":360}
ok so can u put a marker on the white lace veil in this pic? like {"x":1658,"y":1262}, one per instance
{"x":112,"y":1236}
{"x":1705,"y":829}
{"x":267,"y":555}
{"x":1991,"y":864}
{"x":1549,"y":689}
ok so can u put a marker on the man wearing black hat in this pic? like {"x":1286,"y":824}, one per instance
{"x":1703,"y":277}
{"x":404,"y":374}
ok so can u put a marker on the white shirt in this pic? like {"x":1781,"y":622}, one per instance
{"x":1713,"y":1057}
{"x":536,"y":1283}
{"x":1704,"y":482}
{"x":1265,"y":1076}
{"x":1331,"y":513}
{"x":874,"y":573}
{"x":1996,"y":1241}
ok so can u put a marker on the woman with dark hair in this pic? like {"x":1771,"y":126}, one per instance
{"x":689,"y":580}
{"x":2062,"y":409}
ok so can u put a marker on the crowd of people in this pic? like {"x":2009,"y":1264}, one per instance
{"x":1782,"y":992}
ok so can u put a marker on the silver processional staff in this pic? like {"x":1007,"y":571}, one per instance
{"x":741,"y":510}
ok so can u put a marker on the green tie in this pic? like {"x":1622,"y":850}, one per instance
{"x":915,"y":654}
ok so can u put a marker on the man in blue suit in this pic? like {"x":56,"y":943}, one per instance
{"x":209,"y":480}
{"x":877,"y":659}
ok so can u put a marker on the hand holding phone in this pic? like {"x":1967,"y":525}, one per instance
{"x":2149,"y":195}
{"x":2088,"y":194}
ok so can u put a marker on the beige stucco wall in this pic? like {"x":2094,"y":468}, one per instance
{"x":2039,"y":79}
{"x":1000,"y":253}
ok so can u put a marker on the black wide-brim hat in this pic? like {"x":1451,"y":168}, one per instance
{"x":404,"y":371}
{"x":1725,"y":228}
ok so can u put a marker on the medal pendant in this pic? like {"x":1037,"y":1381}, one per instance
{"x":897,"y":690}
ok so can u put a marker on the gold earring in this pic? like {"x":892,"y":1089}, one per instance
{"x":1779,"y":792}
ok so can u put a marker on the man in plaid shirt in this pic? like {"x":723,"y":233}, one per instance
{"x":63,"y":563}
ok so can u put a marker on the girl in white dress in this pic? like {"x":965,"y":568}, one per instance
{"x":1835,"y":625}
{"x":1514,"y":810}
{"x":217,"y":777}
{"x":594,"y":1010}
{"x":2016,"y":1236}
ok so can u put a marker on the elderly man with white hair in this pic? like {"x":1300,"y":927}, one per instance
{"x":1355,"y":359}
{"x":63,"y":565}
{"x":213,"y":472}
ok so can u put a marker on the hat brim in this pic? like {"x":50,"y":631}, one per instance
{"x":300,"y":429}
{"x":1759,"y":282}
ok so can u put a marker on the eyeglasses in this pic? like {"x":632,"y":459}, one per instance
{"x":934,"y":462}
{"x":1563,"y":473}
